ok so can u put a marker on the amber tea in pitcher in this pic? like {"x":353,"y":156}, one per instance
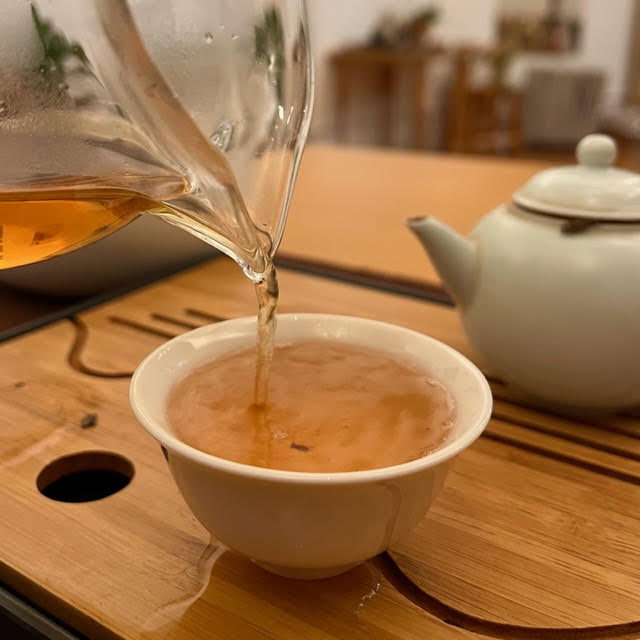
{"x":101,"y":120}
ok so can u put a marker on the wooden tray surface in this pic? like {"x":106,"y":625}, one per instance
{"x":536,"y":534}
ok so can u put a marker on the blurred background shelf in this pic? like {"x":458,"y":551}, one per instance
{"x":499,"y":77}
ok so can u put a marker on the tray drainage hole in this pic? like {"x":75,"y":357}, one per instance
{"x":84,"y":477}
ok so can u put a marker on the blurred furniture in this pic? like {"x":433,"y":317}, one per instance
{"x":561,"y":106}
{"x":389,"y":66}
{"x":633,"y":67}
{"x":482,"y":119}
{"x":623,"y":121}
{"x":553,"y":26}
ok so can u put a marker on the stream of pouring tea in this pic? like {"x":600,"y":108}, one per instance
{"x":267,"y":293}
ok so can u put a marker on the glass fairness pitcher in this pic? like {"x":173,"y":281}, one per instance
{"x":195,"y":111}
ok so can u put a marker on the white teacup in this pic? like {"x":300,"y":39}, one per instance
{"x":308,"y":525}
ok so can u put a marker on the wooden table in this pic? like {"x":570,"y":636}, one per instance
{"x":349,"y":209}
{"x":391,"y":64}
{"x":535,"y":536}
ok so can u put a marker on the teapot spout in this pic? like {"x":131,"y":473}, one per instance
{"x":453,"y":256}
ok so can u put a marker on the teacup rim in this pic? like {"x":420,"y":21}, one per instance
{"x":444,"y":453}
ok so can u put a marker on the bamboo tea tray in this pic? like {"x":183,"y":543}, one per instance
{"x":536,"y":534}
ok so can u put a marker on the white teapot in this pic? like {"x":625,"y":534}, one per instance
{"x":549,"y":284}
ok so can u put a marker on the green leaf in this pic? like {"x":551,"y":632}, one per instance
{"x":56,"y":47}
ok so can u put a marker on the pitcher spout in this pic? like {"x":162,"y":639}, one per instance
{"x":453,"y":256}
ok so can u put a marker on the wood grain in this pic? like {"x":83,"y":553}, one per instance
{"x":523,"y":542}
{"x":391,"y":66}
{"x":350,"y":205}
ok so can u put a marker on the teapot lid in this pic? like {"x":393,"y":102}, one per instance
{"x":593,"y":189}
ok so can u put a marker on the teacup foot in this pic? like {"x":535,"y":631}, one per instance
{"x":298,"y":573}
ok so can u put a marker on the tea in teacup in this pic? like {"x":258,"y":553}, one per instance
{"x":330,"y":407}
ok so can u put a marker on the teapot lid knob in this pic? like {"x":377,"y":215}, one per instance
{"x":596,"y":150}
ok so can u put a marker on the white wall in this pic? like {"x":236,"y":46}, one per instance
{"x":338,"y":23}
